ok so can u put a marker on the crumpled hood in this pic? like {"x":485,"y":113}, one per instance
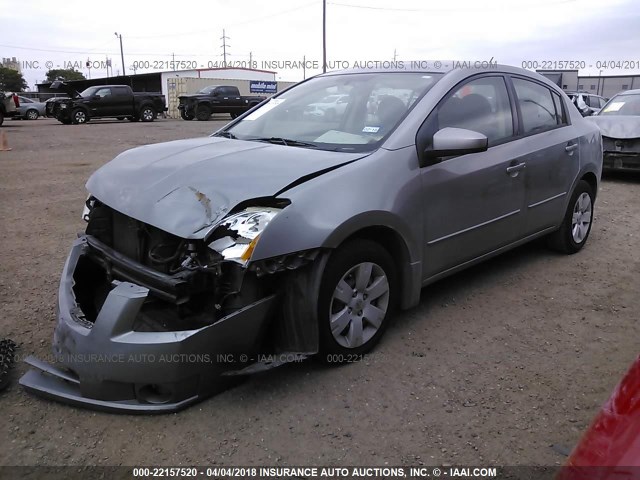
{"x":185,"y":186}
{"x":617,"y":126}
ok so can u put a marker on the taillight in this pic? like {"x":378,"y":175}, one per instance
{"x":16,"y":100}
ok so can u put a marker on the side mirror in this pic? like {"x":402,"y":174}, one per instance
{"x":454,"y":141}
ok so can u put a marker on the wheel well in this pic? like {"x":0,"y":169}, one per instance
{"x":592,"y":180}
{"x":393,"y":243}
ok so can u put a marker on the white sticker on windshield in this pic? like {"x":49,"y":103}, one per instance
{"x":614,"y":107}
{"x":370,"y":129}
{"x":274,"y":102}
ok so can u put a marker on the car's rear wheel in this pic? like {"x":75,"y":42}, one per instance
{"x":203,"y":113}
{"x":32,"y":114}
{"x":357,"y":296}
{"x":119,"y":118}
{"x":576,"y":225}
{"x":234,"y":115}
{"x":147,"y":114}
{"x":79,"y":116}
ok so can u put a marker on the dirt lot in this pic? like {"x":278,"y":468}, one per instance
{"x":494,"y":366}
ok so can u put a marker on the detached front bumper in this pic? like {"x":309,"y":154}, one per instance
{"x":106,"y":365}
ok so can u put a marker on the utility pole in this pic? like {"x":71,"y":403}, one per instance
{"x":304,"y":67}
{"x":173,"y":61}
{"x":124,"y":72}
{"x":224,"y":39}
{"x":324,"y":36}
{"x":394,"y":54}
{"x":250,"y":59}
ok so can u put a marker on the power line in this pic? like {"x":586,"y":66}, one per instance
{"x":224,"y":46}
{"x":458,"y":8}
{"x":236,"y":24}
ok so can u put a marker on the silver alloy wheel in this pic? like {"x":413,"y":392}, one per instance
{"x":147,"y":114}
{"x":359,"y":305}
{"x":80,"y":117}
{"x":581,"y":220}
{"x":32,"y":114}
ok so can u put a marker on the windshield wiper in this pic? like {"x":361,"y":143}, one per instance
{"x":284,"y":141}
{"x":225,"y":135}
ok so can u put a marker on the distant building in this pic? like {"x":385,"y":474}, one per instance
{"x":11,"y":63}
{"x":605,"y":86}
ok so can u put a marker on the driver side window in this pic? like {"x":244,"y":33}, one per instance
{"x":480,"y":105}
{"x":103,"y":92}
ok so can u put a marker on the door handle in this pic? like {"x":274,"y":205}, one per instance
{"x":514,"y":169}
{"x":571,"y":147}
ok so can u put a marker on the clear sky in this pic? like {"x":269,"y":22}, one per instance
{"x":44,"y":32}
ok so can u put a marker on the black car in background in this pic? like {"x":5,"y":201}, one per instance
{"x":216,"y":99}
{"x":104,"y":101}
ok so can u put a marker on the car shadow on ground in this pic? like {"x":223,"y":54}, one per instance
{"x":433,"y":297}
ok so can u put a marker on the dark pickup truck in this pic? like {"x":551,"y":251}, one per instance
{"x":103,"y":101}
{"x":216,"y":99}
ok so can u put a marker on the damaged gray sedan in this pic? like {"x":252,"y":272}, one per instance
{"x":285,"y":235}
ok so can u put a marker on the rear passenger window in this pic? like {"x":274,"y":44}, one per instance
{"x":481,"y":105}
{"x":536,"y":106}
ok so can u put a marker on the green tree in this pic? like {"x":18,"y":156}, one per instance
{"x":64,"y":74}
{"x":11,"y":80}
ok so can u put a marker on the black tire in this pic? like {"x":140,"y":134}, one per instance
{"x":355,"y":254}
{"x":66,"y":121}
{"x":233,"y":116}
{"x":119,"y":118}
{"x":184,"y":116}
{"x":570,"y":237}
{"x":1,"y":117}
{"x":203,"y":113}
{"x":31,"y":114}
{"x":147,"y":114}
{"x":79,"y":116}
{"x":7,"y":359}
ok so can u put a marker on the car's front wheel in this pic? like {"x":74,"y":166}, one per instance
{"x":357,"y":296}
{"x":32,"y":115}
{"x":203,"y":113}
{"x":576,"y":226}
{"x":79,"y":116}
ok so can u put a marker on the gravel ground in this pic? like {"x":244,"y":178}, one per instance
{"x":495,"y":365}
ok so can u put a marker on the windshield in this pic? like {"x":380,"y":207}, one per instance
{"x":208,"y":89}
{"x":622,"y":105}
{"x":348,"y":112}
{"x":89,"y":92}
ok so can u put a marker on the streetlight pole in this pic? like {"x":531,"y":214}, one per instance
{"x":121,"y":53}
{"x":324,"y":36}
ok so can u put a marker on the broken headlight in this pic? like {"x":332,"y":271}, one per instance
{"x":88,"y":206}
{"x":238,"y":234}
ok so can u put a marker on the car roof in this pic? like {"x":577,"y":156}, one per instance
{"x":635,"y":91}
